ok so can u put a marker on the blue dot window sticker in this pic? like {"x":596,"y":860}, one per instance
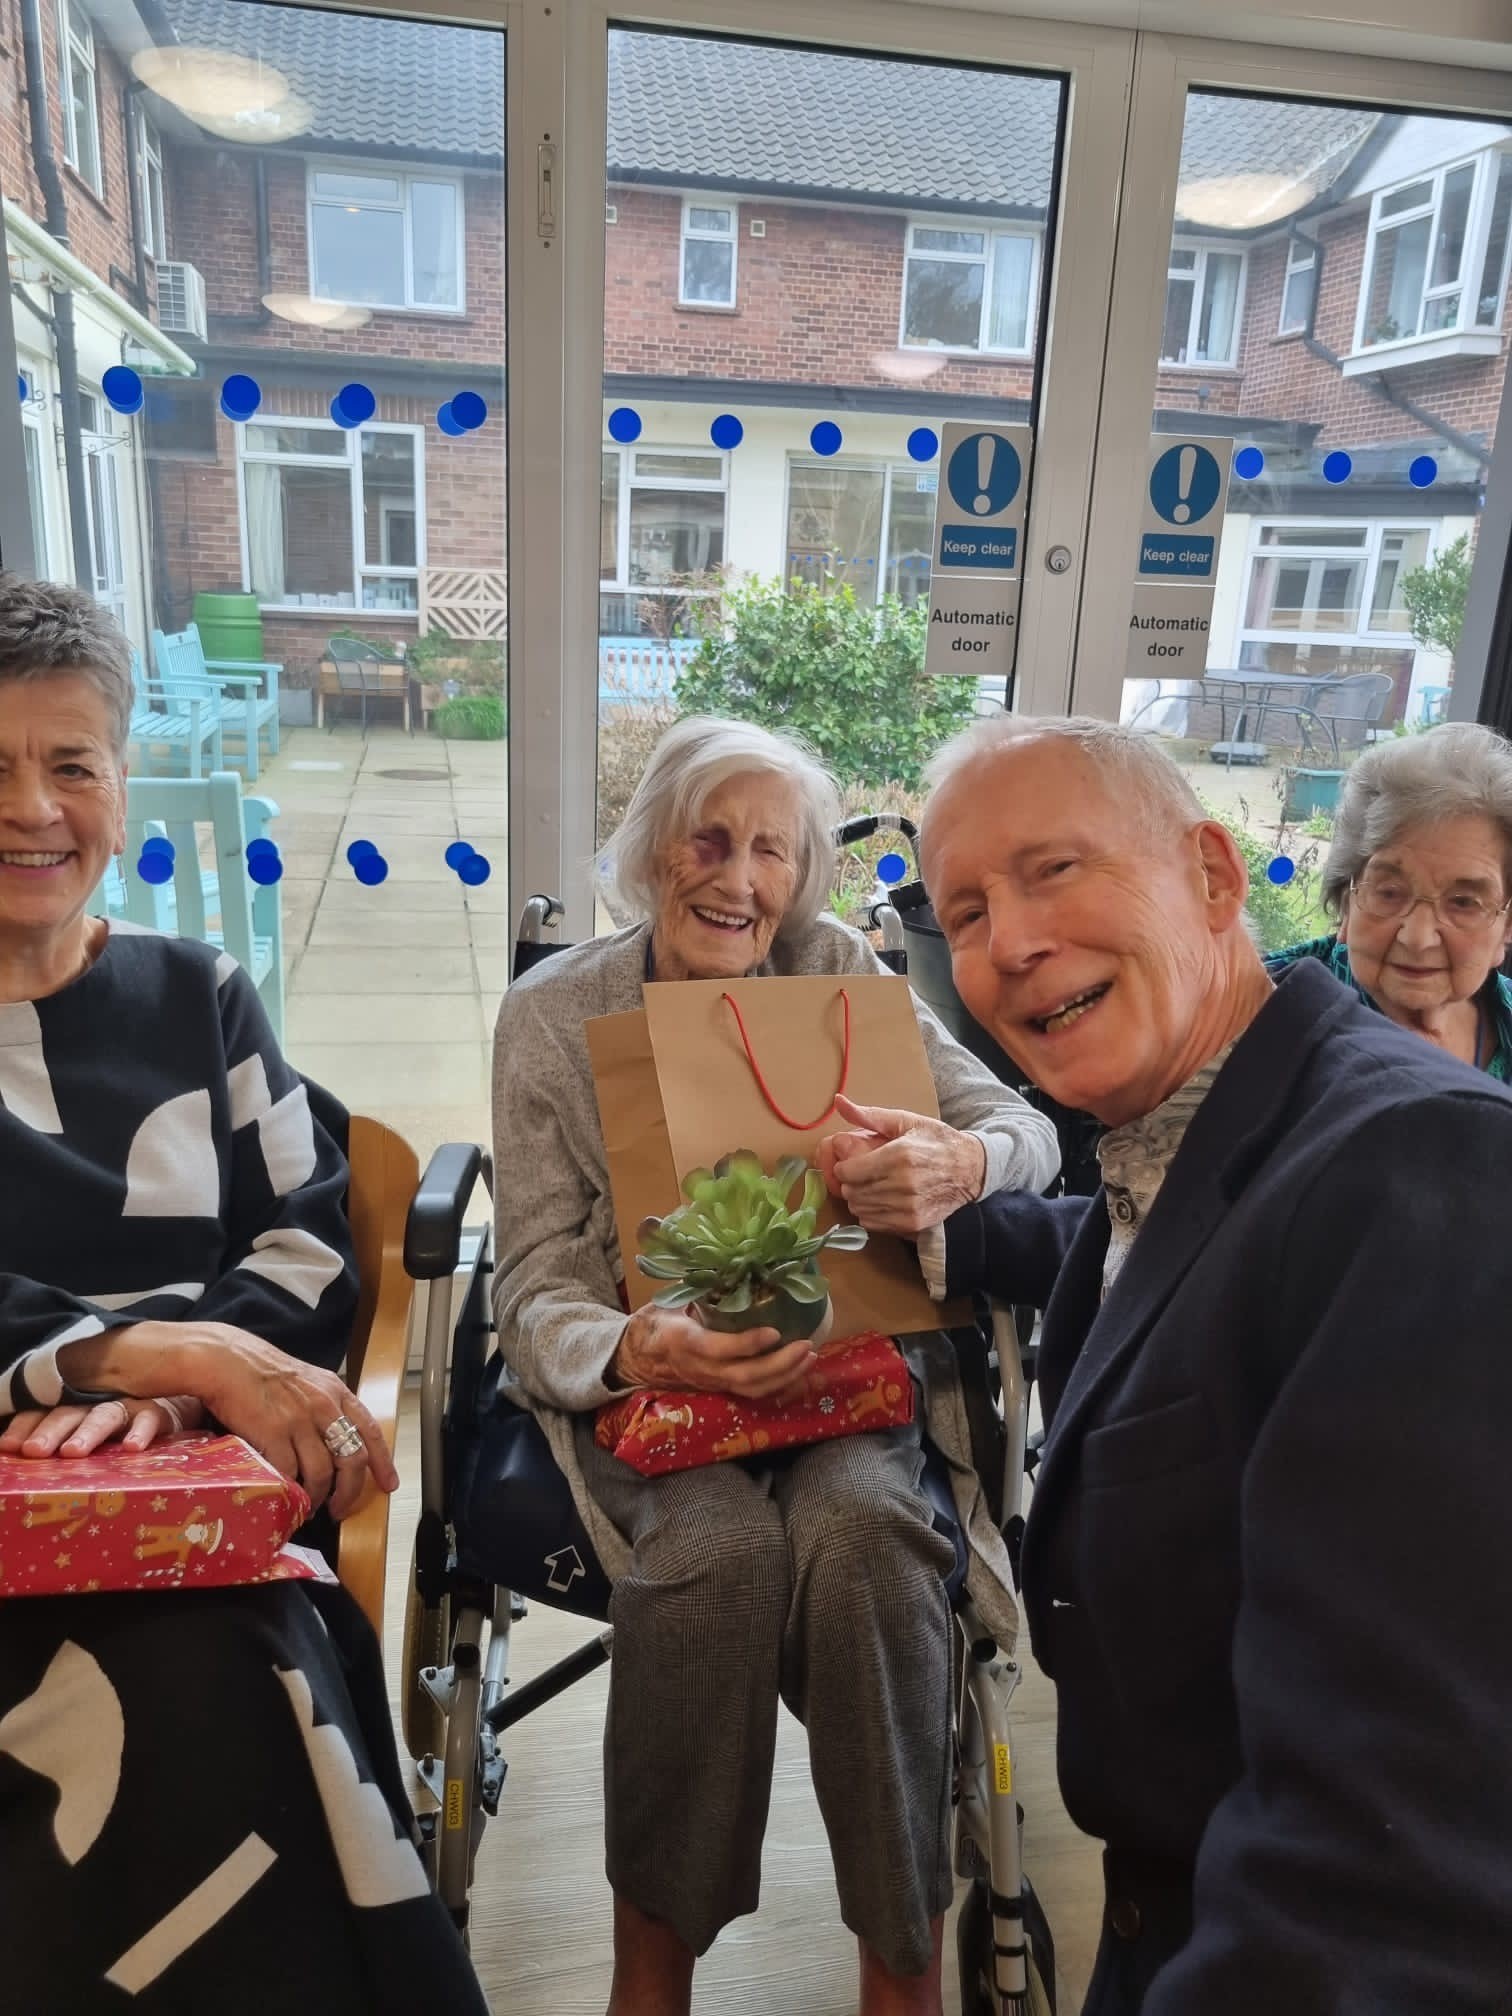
{"x":123,"y":389}
{"x":265,"y":869}
{"x":23,"y":390}
{"x":240,"y":397}
{"x":1337,"y":467}
{"x":475,"y":870}
{"x":891,"y":869}
{"x":353,"y":405}
{"x":1185,"y":484}
{"x":984,"y":474}
{"x":448,"y":422}
{"x":360,"y":850}
{"x":370,"y":869}
{"x":469,"y":410}
{"x":458,"y":852}
{"x":1281,"y":870}
{"x":726,"y":432}
{"x":923,"y":444}
{"x":155,"y":867}
{"x":257,"y":848}
{"x":1422,"y":472}
{"x":1248,"y":463}
{"x":825,"y":438}
{"x":624,"y":424}
{"x":157,"y":844}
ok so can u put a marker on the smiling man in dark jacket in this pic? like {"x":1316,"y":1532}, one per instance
{"x":1269,"y":1559}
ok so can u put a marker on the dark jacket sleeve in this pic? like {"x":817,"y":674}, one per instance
{"x":1363,"y":1861}
{"x":289,"y":1273}
{"x":1011,"y":1245}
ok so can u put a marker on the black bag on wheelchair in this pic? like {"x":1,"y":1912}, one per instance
{"x":515,"y":1519}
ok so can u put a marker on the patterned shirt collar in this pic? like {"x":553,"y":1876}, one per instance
{"x":1136,"y":1156}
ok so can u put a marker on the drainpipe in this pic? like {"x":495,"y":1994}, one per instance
{"x":55,"y":217}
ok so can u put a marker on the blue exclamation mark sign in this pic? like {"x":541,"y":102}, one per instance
{"x":1186,"y":469}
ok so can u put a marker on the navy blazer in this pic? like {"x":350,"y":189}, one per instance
{"x":1269,"y":1559}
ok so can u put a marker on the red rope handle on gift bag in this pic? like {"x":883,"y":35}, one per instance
{"x":798,"y":1126}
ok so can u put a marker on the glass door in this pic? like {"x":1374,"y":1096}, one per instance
{"x":792,"y":313}
{"x":1325,"y":366}
{"x":281,"y":419}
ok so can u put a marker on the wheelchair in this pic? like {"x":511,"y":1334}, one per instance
{"x":498,"y":1530}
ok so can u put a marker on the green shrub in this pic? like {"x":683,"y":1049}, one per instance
{"x":471,"y":717}
{"x":848,"y":678}
{"x":1435,"y":597}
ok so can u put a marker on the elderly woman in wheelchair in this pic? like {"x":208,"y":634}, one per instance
{"x":817,"y":1578}
{"x":199,"y":1794}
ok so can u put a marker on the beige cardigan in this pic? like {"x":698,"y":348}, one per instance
{"x":556,"y":1293}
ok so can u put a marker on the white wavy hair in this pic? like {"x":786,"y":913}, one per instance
{"x":1416,"y":780}
{"x":691,"y":761}
{"x":1136,"y":763}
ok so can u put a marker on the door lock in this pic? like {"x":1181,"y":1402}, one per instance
{"x":1058,"y":559}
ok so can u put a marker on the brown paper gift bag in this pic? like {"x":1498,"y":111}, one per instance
{"x":676,"y":1091}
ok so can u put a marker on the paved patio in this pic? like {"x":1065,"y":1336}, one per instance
{"x":393,"y":990}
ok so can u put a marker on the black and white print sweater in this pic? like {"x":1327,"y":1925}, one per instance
{"x":159,"y":1159}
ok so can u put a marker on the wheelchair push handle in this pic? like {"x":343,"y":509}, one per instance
{"x":433,"y":1230}
{"x":540,"y":914}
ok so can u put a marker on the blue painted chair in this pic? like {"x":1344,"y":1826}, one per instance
{"x":185,"y":725}
{"x":221,"y":905}
{"x":1433,"y":706}
{"x":245,"y":692}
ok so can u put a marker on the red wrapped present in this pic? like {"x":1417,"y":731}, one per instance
{"x":195,"y":1511}
{"x":855,"y":1384}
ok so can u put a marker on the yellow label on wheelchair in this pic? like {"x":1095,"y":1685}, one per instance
{"x":1002,"y":1770}
{"x":456,"y":1810}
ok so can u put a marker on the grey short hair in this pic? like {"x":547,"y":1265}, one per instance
{"x":693,"y":759}
{"x":1134,"y":762}
{"x":1416,"y":780}
{"x":47,"y":630}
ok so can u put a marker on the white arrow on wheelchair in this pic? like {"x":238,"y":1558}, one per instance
{"x":566,"y":1566}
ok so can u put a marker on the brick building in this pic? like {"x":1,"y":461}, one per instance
{"x":796,"y":239}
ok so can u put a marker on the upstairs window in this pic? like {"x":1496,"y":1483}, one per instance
{"x":386,"y":240}
{"x":150,"y":189}
{"x":81,"y":101}
{"x":707,"y":267}
{"x":969,"y":288}
{"x":1436,"y":263}
{"x":1299,"y":288}
{"x":1203,"y":284}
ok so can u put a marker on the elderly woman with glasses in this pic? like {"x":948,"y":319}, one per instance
{"x":1420,"y":878}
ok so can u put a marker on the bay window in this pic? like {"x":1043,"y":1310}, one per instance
{"x":865,"y":526}
{"x":1436,"y":259}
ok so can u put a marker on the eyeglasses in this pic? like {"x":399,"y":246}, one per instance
{"x":1390,"y":901}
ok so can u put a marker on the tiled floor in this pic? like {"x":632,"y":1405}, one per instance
{"x":392,"y":990}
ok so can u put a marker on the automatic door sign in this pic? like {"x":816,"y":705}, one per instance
{"x":1178,"y":556}
{"x":978,"y":540}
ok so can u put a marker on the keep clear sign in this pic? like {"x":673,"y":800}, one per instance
{"x":1178,"y":556}
{"x":978,"y":540}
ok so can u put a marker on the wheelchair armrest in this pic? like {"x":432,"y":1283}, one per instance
{"x":433,"y":1229}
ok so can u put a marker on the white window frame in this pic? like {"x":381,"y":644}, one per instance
{"x":1465,"y":332}
{"x":1184,"y":242}
{"x":993,"y":229}
{"x":891,"y":469}
{"x":1376,"y":531}
{"x":34,"y":442}
{"x":107,"y":549}
{"x":362,"y":568}
{"x":630,"y":480}
{"x":406,"y":178}
{"x":150,"y":196}
{"x":1301,"y":257}
{"x":74,"y":43}
{"x":705,"y":200}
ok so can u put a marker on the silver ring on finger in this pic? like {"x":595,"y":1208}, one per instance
{"x":343,"y":1437}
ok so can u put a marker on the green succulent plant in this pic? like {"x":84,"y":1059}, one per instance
{"x":740,"y":1237}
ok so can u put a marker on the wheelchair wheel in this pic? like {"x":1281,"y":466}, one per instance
{"x":974,"y":1958}
{"x":427,"y":1639}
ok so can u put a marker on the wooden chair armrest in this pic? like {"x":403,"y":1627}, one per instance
{"x":242,"y":665}
{"x":362,"y":1548}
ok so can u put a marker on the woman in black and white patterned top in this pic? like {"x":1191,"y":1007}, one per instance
{"x":174,"y":1250}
